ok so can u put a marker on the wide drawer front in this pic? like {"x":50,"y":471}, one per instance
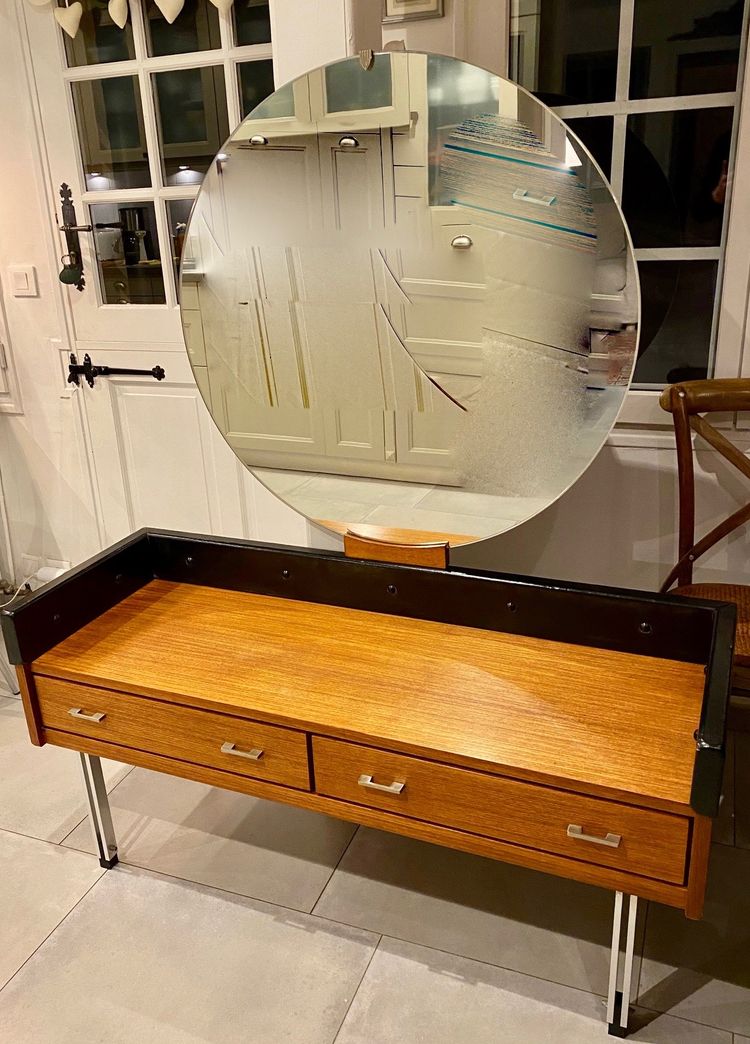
{"x":641,"y":841}
{"x":200,"y":736}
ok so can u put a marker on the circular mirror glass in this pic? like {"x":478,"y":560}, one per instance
{"x":410,"y":299}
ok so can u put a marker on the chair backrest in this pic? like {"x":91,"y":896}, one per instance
{"x":686,"y":402}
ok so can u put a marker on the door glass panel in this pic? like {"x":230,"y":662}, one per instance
{"x":690,"y":47}
{"x":347,"y":90}
{"x":677,"y":304}
{"x":191,"y":108}
{"x":196,"y":28}
{"x":252,"y":22}
{"x":98,"y":38}
{"x":676,"y":176}
{"x":110,"y":132}
{"x":566,"y":51}
{"x":596,"y":134}
{"x":178,"y":213}
{"x":127,"y":253}
{"x":256,"y":83}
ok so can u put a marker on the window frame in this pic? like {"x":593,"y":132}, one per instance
{"x":143,"y":66}
{"x":727,"y":355}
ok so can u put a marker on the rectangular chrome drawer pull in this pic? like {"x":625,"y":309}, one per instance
{"x":610,"y":840}
{"x":389,"y":788}
{"x":77,"y":712}
{"x":231,"y":748}
{"x":524,"y":196}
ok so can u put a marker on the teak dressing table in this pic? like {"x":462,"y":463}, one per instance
{"x":575,"y":730}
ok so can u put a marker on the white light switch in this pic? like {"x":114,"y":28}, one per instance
{"x":23,"y":281}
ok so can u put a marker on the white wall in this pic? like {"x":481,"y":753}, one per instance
{"x":615,"y":526}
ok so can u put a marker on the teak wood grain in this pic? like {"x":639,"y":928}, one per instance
{"x":589,"y":719}
{"x":589,"y":873}
{"x":652,"y":843}
{"x":177,"y":732}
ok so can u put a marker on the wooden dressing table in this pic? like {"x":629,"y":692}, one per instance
{"x":574,"y":730}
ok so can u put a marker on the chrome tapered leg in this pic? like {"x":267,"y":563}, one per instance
{"x":618,"y":999}
{"x":99,"y":812}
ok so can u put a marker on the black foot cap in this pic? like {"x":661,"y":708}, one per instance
{"x":614,"y":1028}
{"x":107,"y":864}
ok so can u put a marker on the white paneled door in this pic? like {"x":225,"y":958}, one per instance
{"x":130,"y":120}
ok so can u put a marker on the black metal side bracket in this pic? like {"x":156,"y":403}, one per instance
{"x":88,"y":370}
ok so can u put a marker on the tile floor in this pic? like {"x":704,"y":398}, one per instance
{"x":230,"y":919}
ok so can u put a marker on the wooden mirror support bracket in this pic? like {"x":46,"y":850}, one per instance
{"x":431,"y":555}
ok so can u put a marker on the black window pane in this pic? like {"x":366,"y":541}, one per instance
{"x":98,"y":38}
{"x":685,"y":47}
{"x":596,"y":134}
{"x":191,"y":105}
{"x":127,"y":253}
{"x":567,"y":52}
{"x":110,"y":133}
{"x":256,"y":83}
{"x":677,"y":303}
{"x":252,"y":23}
{"x":196,"y":28}
{"x":675,"y":176}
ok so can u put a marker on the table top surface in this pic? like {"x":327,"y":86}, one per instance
{"x":601,"y":721}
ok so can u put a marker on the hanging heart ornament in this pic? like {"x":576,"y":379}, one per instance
{"x":118,"y":12}
{"x":170,"y":8}
{"x":223,"y":5}
{"x":69,"y":18}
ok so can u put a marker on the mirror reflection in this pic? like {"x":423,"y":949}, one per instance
{"x":409,"y":299}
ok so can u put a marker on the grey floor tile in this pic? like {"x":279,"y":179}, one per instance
{"x":414,"y":995}
{"x":478,"y":908}
{"x":256,"y":848}
{"x":41,"y":788}
{"x":701,"y":969}
{"x":152,"y":960}
{"x":742,"y":789}
{"x":39,"y":884}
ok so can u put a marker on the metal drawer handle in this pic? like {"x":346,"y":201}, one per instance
{"x":77,"y":712}
{"x":389,"y":788}
{"x":348,"y":141}
{"x":610,"y":840}
{"x":258,"y":139}
{"x":524,"y":196}
{"x":462,"y":242}
{"x":231,"y":748}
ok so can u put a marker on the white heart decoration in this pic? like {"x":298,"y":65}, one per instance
{"x":69,"y":18}
{"x":118,"y":12}
{"x":223,"y":5}
{"x":170,"y":8}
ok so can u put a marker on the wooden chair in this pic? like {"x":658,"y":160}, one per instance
{"x":687,"y":402}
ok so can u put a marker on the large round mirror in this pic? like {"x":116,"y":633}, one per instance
{"x":410,"y":299}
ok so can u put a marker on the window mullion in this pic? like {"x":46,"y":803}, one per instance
{"x":624,"y":49}
{"x":231,"y":83}
{"x":151,"y":129}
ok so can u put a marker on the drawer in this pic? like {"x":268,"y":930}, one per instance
{"x":198,"y":736}
{"x":653,"y":844}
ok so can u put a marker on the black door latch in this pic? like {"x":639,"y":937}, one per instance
{"x":88,"y":370}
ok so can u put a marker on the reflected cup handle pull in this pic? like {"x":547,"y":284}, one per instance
{"x":258,"y":139}
{"x":462,"y":242}
{"x":348,"y":141}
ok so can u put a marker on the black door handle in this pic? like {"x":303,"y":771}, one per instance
{"x":88,"y":370}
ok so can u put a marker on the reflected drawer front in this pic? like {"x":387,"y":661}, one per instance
{"x":218,"y":740}
{"x":595,"y":830}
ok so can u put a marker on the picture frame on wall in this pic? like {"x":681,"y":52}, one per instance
{"x":411,"y":10}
